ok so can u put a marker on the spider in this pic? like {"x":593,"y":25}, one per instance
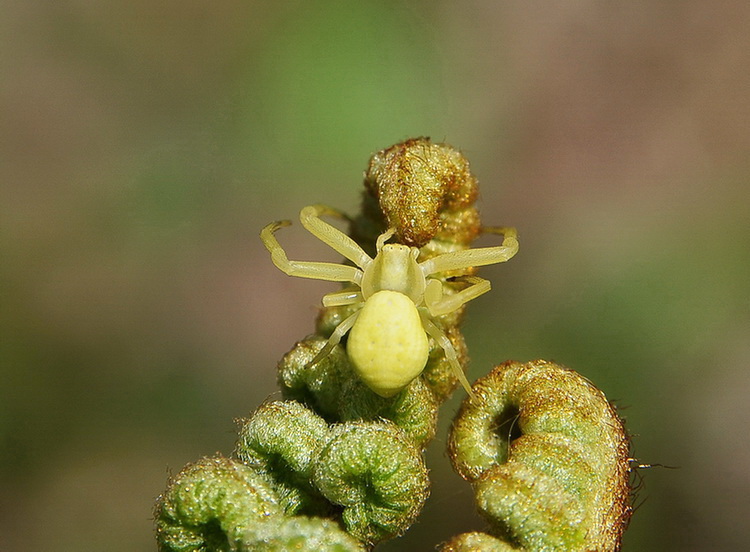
{"x":396,"y":296}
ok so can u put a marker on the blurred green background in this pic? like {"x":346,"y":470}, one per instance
{"x":144,"y":144}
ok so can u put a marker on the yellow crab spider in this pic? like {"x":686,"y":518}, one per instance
{"x":397,"y":298}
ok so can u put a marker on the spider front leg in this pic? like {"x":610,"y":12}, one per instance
{"x":438,"y":304}
{"x":305,"y":269}
{"x":480,"y":256}
{"x":333,"y":237}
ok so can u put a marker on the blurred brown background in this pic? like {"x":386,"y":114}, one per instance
{"x":144,"y":144}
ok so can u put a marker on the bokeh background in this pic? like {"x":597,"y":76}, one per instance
{"x":144,"y":144}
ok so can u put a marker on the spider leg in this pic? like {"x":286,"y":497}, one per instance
{"x":450,"y":353}
{"x":443,"y":304}
{"x":384,"y":237}
{"x":347,"y":296}
{"x":305,"y":269}
{"x":335,"y":338}
{"x":333,"y":237}
{"x":475,"y":257}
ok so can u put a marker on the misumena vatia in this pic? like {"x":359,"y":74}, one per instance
{"x":398,"y":298}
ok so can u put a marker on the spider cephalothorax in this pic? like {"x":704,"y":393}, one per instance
{"x":398,"y":298}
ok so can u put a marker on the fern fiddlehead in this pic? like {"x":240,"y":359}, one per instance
{"x":548,"y":458}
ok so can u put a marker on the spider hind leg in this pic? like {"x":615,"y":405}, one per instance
{"x":450,"y":352}
{"x":335,"y":338}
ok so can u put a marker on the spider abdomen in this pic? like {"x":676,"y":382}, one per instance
{"x":388,"y":345}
